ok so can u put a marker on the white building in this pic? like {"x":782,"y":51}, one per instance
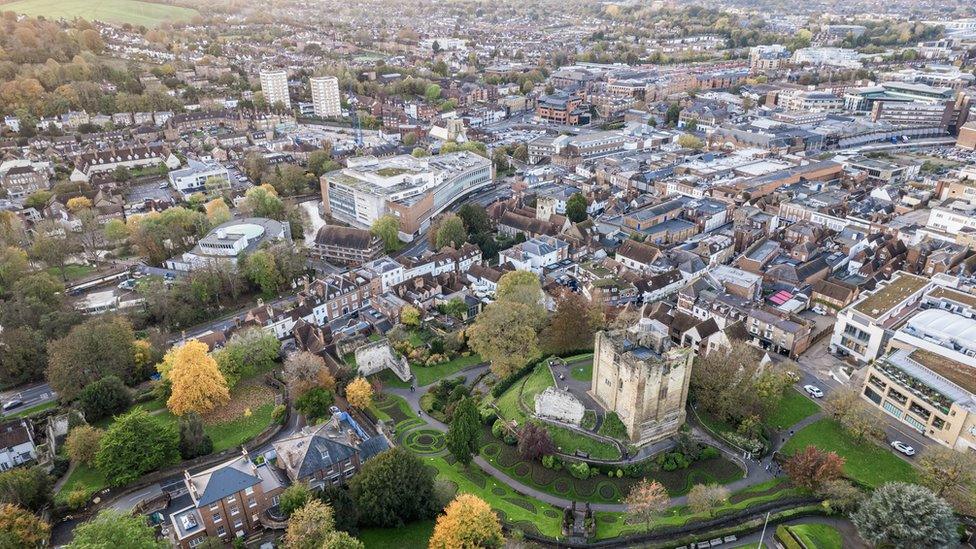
{"x":225,"y":242}
{"x":833,"y":57}
{"x":325,"y":96}
{"x":193,"y":178}
{"x":274,"y":86}
{"x":535,"y":255}
{"x":952,"y":216}
{"x":16,"y":444}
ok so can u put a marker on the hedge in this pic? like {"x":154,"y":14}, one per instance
{"x":785,"y":537}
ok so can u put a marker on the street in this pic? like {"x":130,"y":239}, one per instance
{"x":31,"y":395}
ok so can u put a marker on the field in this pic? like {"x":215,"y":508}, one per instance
{"x":865,"y":461}
{"x":111,"y":11}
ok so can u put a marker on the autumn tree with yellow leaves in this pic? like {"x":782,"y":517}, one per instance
{"x":359,"y":393}
{"x":197,"y":384}
{"x":468,"y":521}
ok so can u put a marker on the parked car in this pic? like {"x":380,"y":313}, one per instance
{"x":813,"y":391}
{"x":903,"y":448}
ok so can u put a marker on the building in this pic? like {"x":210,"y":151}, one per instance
{"x":769,"y":58}
{"x":274,"y":86}
{"x":16,"y":444}
{"x":23,"y":180}
{"x":346,"y":245}
{"x":535,"y":254}
{"x":229,"y":500}
{"x":326,"y":102}
{"x":330,"y":453}
{"x":413,"y":190}
{"x":967,"y":136}
{"x":227,"y":241}
{"x":932,"y":394}
{"x":200,"y":177}
{"x":862,"y":328}
{"x":88,"y":165}
{"x":637,"y":375}
{"x":562,"y":107}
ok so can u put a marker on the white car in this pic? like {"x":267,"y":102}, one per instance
{"x":813,"y":391}
{"x":903,"y":448}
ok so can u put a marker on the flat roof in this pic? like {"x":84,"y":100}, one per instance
{"x":961,"y":374}
{"x":896,"y":291}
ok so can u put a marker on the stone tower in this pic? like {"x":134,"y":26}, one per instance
{"x":545,"y":207}
{"x":639,"y":376}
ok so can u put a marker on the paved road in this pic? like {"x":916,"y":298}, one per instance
{"x":31,"y":395}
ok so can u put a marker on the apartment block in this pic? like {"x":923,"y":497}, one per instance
{"x":274,"y":86}
{"x":325,"y":96}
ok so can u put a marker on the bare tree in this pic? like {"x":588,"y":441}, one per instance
{"x":646,"y":500}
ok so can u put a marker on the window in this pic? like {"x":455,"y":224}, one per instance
{"x":214,"y":506}
{"x":221,"y":531}
{"x":249,"y":490}
{"x":238,"y":524}
{"x":892,"y":409}
{"x":251,"y":502}
{"x":234,"y":510}
{"x":196,"y":541}
{"x":217,"y":518}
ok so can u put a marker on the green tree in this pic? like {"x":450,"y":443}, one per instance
{"x":23,"y":354}
{"x":82,"y":444}
{"x":309,"y":526}
{"x":104,"y":398}
{"x":465,"y":431}
{"x":262,"y":201}
{"x":194,"y":441}
{"x":451,"y":232}
{"x":248,"y":351}
{"x":109,"y":528}
{"x":134,"y":444}
{"x":99,"y":347}
{"x":419,"y":152}
{"x":475,"y":218}
{"x":903,"y":516}
{"x":341,"y":540}
{"x":294,"y":498}
{"x":576,"y":208}
{"x":343,"y":507}
{"x":320,"y":162}
{"x":393,"y":489}
{"x":261,"y":270}
{"x":314,"y":403}
{"x":27,"y":487}
{"x":673,"y":114}
{"x":13,"y":265}
{"x":432,"y":93}
{"x":387,"y":228}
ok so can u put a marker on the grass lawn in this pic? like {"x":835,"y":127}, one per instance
{"x":33,"y":409}
{"x":533,"y":384}
{"x":71,"y":272}
{"x":817,"y":536}
{"x":568,"y":442}
{"x":792,"y":408}
{"x":113,"y":11}
{"x":82,"y":477}
{"x":583,"y":372}
{"x":864,"y":461}
{"x":429,"y":374}
{"x":412,"y":536}
{"x":236,"y":432}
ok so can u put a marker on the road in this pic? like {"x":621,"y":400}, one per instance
{"x":31,"y":395}
{"x":820,"y":368}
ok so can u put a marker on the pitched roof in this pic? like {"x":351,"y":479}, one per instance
{"x":225,"y":481}
{"x":346,"y":237}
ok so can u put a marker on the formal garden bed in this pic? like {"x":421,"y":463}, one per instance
{"x":611,"y":483}
{"x":864,"y":461}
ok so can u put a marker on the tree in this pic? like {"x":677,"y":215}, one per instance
{"x":314,"y":403}
{"x":254,"y":166}
{"x":394,"y":488}
{"x":573,"y":325}
{"x":432,"y":93}
{"x":78,"y":203}
{"x":21,"y":528}
{"x":903,"y":515}
{"x":410,"y":316}
{"x":320,"y":162}
{"x":104,"y":398}
{"x":343,"y":507}
{"x":841,"y":495}
{"x":194,"y":441}
{"x":341,"y":540}
{"x":464,"y":431}
{"x":52,"y":247}
{"x":309,"y":526}
{"x":705,"y":498}
{"x":97,"y":348}
{"x":535,"y":442}
{"x":136,"y":443}
{"x":359,"y":393}
{"x":810,"y":468}
{"x":673,"y":114}
{"x":468,"y":521}
{"x":29,"y":488}
{"x":576,"y":208}
{"x":110,"y":527}
{"x":950,"y":474}
{"x":294,"y":498}
{"x":82,"y":444}
{"x":218,"y":212}
{"x":689,"y":141}
{"x":519,"y":287}
{"x":263,"y":201}
{"x":505,"y":335}
{"x":647,"y":499}
{"x":475,"y":218}
{"x":13,"y":265}
{"x":23,"y":354}
{"x":197,"y":384}
{"x":387,"y":227}
{"x":248,"y":351}
{"x":730,"y":385}
{"x":419,"y":152}
{"x":451,"y":232}
{"x":261,"y":269}
{"x":859,"y":419}
{"x":303,"y":368}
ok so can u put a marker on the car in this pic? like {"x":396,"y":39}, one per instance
{"x":163,"y":185}
{"x":820,"y":310}
{"x":813,"y":391}
{"x":127,"y":284}
{"x":903,"y":448}
{"x":11,"y":404}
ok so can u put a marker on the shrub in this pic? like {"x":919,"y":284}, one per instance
{"x":552,"y":462}
{"x":278,"y":413}
{"x":498,"y":428}
{"x":710,"y":452}
{"x":580,"y":470}
{"x":510,"y":439}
